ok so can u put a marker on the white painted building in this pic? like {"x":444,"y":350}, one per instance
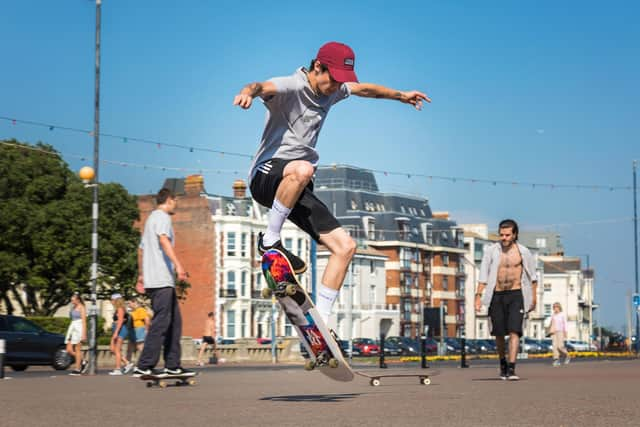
{"x":360,"y":310}
{"x":240,"y":309}
{"x":565,"y":282}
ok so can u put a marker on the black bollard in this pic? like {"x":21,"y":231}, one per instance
{"x":423,"y":352}
{"x":463,"y":353}
{"x":383,"y":365}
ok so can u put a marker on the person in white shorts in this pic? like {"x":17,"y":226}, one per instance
{"x":77,"y":333}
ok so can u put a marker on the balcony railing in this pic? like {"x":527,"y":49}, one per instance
{"x":228,"y":293}
{"x":256,"y":294}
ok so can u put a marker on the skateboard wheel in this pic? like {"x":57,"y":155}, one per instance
{"x":333,"y":363}
{"x":191,"y":382}
{"x":149,"y":384}
{"x":290,"y":290}
{"x":425,"y":381}
{"x":266,"y":293}
{"x":375,"y":382}
{"x":162,"y":384}
{"x":309,"y":365}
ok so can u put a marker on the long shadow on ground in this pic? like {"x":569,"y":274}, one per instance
{"x":312,"y":397}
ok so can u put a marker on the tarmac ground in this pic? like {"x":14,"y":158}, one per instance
{"x":585,"y":392}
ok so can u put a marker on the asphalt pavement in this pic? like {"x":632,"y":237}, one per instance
{"x":593,"y":392}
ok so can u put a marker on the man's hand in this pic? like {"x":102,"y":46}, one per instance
{"x":243,"y":100}
{"x":181,"y":273}
{"x":414,"y":98}
{"x":140,"y":284}
{"x":478,"y":303}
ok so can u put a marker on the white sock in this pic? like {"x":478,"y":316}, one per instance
{"x":324,"y":301}
{"x":277,"y":215}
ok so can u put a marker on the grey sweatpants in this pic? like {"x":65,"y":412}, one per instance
{"x":165,"y":330}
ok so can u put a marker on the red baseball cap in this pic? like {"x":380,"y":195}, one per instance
{"x":340,"y":60}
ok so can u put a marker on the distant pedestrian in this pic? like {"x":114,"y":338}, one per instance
{"x":77,"y":334}
{"x":508,"y":272}
{"x":120,"y":332}
{"x":158,"y":265}
{"x":208,"y":338}
{"x":559,"y":335}
{"x":139,"y":325}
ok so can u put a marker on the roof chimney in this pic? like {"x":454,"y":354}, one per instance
{"x":239,"y":189}
{"x":194,"y":185}
{"x":441,"y":215}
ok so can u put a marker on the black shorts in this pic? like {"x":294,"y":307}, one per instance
{"x":309,"y":213}
{"x":207,"y":340}
{"x":507,"y":312}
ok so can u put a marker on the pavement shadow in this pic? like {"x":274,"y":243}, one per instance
{"x":498,"y":379}
{"x":313,"y":397}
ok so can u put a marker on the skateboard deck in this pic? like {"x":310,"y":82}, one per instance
{"x":163,"y":380}
{"x":375,"y":378}
{"x":324,"y":352}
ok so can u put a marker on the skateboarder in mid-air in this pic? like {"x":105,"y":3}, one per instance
{"x":282,"y":170}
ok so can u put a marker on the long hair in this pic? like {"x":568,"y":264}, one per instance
{"x":510,"y":223}
{"x":78,"y":297}
{"x":557,"y":304}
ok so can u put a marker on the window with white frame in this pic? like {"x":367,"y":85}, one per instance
{"x":243,"y":283}
{"x":243,"y":324}
{"x":231,"y":324}
{"x":547,"y":310}
{"x":288,"y":243}
{"x":243,"y":245}
{"x":547,"y":287}
{"x":231,"y":243}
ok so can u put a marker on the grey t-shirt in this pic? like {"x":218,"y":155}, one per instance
{"x":295,"y":115}
{"x":157,"y":268}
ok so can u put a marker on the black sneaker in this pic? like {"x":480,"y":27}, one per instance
{"x":75,"y":373}
{"x":511,"y":372}
{"x":297,"y":264}
{"x":84,"y":366}
{"x":138,"y":372}
{"x":503,"y":369}
{"x":179,"y":372}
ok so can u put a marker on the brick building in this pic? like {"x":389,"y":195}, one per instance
{"x":194,"y":246}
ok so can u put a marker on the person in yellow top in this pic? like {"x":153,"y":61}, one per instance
{"x":140,"y":321}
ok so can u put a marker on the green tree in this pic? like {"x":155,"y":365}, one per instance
{"x":45,"y":231}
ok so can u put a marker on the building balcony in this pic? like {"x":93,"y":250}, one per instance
{"x":256,"y":295}
{"x":459,"y":294}
{"x":228,"y":293}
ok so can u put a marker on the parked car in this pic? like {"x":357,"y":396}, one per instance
{"x":28,"y":344}
{"x":453,"y":346}
{"x":409,"y":346}
{"x":365,"y":347}
{"x":574,"y":345}
{"x":263,"y":340}
{"x":533,"y":346}
{"x":391,"y":348}
{"x":485,"y":346}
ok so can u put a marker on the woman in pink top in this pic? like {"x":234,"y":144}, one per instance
{"x":559,"y":334}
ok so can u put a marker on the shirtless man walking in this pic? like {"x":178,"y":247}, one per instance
{"x":508,"y":275}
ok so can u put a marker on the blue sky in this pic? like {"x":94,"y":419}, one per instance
{"x":543,"y":92}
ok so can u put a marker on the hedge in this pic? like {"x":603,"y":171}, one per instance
{"x":59,"y":325}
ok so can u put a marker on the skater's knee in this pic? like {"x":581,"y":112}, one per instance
{"x":301,"y":171}
{"x":346,"y":248}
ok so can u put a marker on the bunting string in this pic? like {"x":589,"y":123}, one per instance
{"x":386,"y":173}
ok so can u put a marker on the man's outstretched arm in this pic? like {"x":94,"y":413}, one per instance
{"x":370,"y":90}
{"x":250,"y":91}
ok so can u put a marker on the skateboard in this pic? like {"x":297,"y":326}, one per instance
{"x":163,"y":380}
{"x":324,"y":352}
{"x":374,"y":379}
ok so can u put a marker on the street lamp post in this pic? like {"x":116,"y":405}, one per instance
{"x":93,"y":309}
{"x":635,"y":243}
